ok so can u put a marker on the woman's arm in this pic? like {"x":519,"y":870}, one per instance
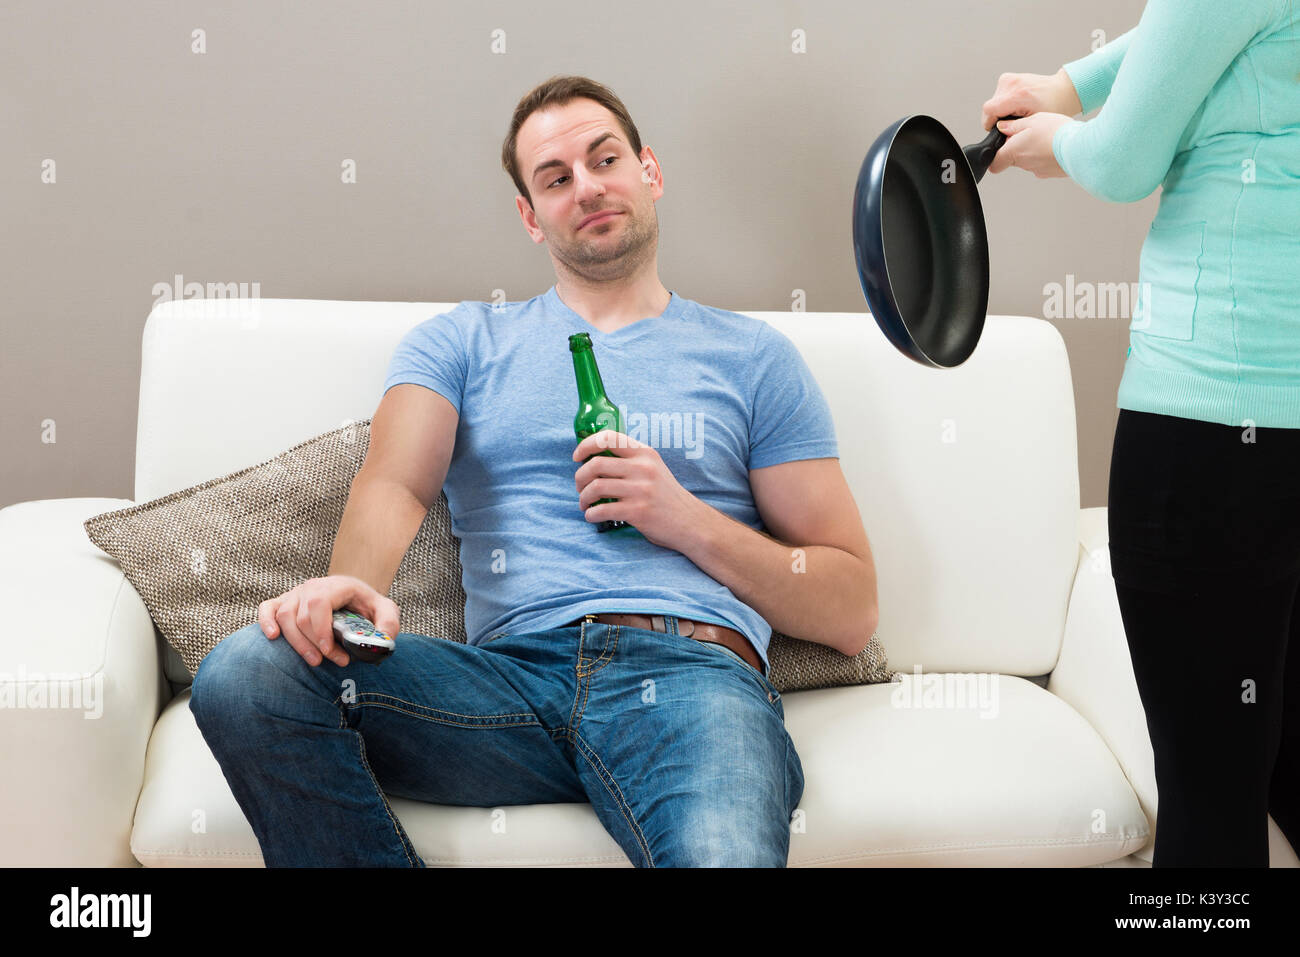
{"x":1094,"y":75}
{"x":1177,"y":52}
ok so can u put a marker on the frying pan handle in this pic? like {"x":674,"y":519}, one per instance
{"x":980,"y":156}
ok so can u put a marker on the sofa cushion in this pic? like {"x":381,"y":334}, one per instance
{"x":899,"y":774}
{"x":204,"y":558}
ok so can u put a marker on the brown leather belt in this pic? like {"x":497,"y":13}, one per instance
{"x":699,"y":630}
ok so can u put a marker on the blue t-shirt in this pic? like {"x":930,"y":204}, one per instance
{"x":716,"y":393}
{"x":1202,"y":98}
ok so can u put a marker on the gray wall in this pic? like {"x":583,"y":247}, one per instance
{"x":224,"y":167}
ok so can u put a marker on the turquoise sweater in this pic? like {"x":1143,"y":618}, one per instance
{"x":1202,"y":97}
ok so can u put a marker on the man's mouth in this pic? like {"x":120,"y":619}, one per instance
{"x":598,"y":218}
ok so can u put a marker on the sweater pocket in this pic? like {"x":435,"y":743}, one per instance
{"x":1170,"y":273}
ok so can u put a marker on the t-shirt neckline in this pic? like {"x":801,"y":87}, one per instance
{"x":675,"y":309}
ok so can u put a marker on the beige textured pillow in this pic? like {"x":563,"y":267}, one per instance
{"x":796,"y":664}
{"x":204,"y":558}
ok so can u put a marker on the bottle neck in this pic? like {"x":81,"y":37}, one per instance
{"x":590,"y":386}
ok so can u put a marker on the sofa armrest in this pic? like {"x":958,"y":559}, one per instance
{"x":1094,"y":673}
{"x":81,"y":686}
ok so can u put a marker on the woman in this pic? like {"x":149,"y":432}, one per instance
{"x":1203,"y":98}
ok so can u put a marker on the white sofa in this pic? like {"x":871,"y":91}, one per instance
{"x":967,"y":481}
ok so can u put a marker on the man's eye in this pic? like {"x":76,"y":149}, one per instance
{"x":605,"y":160}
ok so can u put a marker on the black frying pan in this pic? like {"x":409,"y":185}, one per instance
{"x":919,"y":239}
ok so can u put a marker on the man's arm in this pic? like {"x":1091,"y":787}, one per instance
{"x":411,"y":439}
{"x":814,"y":576}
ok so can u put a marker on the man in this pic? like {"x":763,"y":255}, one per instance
{"x":628,"y":672}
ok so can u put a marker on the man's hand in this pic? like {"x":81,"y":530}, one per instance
{"x":1029,"y":145}
{"x":648,"y":495}
{"x":305,"y":615}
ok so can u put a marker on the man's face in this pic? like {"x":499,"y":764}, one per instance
{"x":575,"y":182}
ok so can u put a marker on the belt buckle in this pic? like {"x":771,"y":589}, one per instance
{"x":657,"y":623}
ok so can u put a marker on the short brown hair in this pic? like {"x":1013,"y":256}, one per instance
{"x":557,"y":91}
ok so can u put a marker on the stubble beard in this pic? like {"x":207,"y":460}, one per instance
{"x":598,"y":259}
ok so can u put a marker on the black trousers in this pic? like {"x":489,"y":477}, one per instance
{"x":1205,"y":550}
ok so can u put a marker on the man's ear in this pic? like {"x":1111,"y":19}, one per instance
{"x":525,"y":209}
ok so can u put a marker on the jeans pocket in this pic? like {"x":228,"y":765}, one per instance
{"x":1169,"y":273}
{"x":773,"y":696}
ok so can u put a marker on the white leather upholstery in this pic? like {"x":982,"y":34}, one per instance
{"x":966,"y":479}
{"x":884,"y":786}
{"x":71,"y":774}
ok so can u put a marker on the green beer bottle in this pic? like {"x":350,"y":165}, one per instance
{"x":595,"y":412}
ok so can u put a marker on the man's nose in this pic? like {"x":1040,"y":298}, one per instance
{"x":586,"y":186}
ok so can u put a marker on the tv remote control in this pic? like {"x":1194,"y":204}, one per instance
{"x":360,"y":638}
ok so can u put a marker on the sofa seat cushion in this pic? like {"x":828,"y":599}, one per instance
{"x":1013,"y":778}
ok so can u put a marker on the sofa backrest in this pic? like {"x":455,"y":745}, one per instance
{"x":966,"y":478}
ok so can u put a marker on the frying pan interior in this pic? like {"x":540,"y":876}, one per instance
{"x":935,"y":244}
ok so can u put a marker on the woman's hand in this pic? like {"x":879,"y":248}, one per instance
{"x":1021,"y":94}
{"x":1029,"y":145}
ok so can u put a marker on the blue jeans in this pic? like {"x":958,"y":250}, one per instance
{"x":679,"y":745}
